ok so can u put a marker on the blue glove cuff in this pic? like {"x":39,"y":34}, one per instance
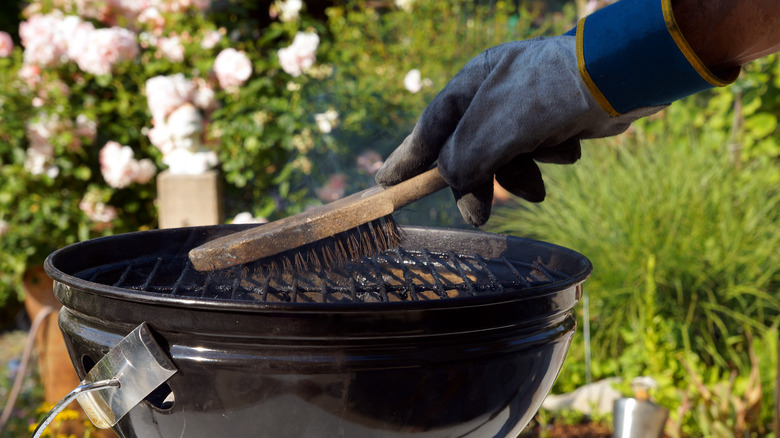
{"x":632,"y":54}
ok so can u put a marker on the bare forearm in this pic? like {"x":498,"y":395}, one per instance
{"x":729,"y":33}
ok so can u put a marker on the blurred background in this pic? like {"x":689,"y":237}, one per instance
{"x":290,"y":104}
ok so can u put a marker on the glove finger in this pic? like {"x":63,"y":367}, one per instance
{"x":413,"y":156}
{"x":522,"y":178}
{"x":567,"y":152}
{"x":439,"y":119}
{"x":475,"y":205}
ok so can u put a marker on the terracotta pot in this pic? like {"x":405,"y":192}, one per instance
{"x":54,"y":365}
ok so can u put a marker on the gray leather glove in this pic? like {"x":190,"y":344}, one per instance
{"x":510,"y":106}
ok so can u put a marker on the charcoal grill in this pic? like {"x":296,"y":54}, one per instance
{"x":454,"y":333}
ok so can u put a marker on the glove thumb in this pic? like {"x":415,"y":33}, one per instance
{"x":475,"y":205}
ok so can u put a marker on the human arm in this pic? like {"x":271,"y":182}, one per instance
{"x":729,"y":33}
{"x":534,"y":100}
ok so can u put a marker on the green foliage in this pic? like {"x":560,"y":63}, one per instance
{"x":743,"y":116}
{"x":41,"y":211}
{"x":274,"y":158}
{"x":685,"y":252}
{"x":679,"y":215}
{"x":373,"y":48}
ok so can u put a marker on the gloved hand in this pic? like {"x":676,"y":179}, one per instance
{"x":510,"y":106}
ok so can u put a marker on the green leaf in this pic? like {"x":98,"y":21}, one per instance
{"x":83,"y":173}
{"x":761,"y":124}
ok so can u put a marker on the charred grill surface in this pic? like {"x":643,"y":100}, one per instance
{"x":399,"y":274}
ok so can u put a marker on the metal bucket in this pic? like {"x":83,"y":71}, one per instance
{"x":635,"y":418}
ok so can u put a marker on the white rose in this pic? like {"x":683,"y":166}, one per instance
{"x":166,"y":93}
{"x":232,"y":68}
{"x":289,"y":9}
{"x":413,"y":81}
{"x":185,"y":126}
{"x":210,"y":39}
{"x":171,"y":48}
{"x":405,"y":5}
{"x":160,"y":137}
{"x":327,"y":121}
{"x":301,"y":54}
{"x":185,"y":162}
{"x":105,"y":47}
{"x":247,"y":218}
{"x":204,"y":97}
{"x":119,"y":168}
{"x":6,"y":44}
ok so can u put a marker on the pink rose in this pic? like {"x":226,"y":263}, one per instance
{"x":369,"y":161}
{"x":38,"y":159}
{"x":182,"y":5}
{"x":160,"y":137}
{"x":166,"y":93}
{"x":334,"y":189}
{"x":200,"y":5}
{"x":40,"y":153}
{"x":210,"y":39}
{"x":97,"y":211}
{"x":301,"y":54}
{"x":120,"y":168}
{"x":86,"y":127}
{"x":129,"y":9}
{"x":232,"y":68}
{"x":171,"y":48}
{"x":79,"y":32}
{"x":6,"y":44}
{"x":152,"y":18}
{"x":30,"y":74}
{"x":185,"y":126}
{"x":286,"y":10}
{"x":106,"y":47}
{"x":145,"y":171}
{"x":44,"y":44}
{"x":91,"y":8}
{"x":204,"y":97}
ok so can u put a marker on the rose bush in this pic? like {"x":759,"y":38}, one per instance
{"x":294,"y":104}
{"x":98,"y":96}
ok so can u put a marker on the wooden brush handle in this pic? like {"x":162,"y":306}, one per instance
{"x":312,"y":225}
{"x":416,"y":187}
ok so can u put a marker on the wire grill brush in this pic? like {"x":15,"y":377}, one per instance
{"x":357,"y":225}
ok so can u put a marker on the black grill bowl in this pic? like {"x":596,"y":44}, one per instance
{"x":361,"y":357}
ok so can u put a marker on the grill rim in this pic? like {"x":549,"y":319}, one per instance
{"x":511,"y":294}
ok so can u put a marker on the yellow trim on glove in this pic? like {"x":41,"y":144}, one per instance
{"x":685,"y":48}
{"x":594,"y":89}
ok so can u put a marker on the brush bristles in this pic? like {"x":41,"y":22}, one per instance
{"x":336,"y":251}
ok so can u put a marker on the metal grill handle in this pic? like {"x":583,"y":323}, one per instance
{"x":68,"y":399}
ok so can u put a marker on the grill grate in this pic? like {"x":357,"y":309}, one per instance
{"x":396,"y":275}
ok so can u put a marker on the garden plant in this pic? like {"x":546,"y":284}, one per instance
{"x":296,"y":103}
{"x":679,"y":217}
